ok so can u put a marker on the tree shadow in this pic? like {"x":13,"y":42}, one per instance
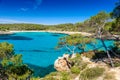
{"x":102,"y":55}
{"x":41,"y":71}
{"x":99,"y":55}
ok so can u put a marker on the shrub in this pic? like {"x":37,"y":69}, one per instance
{"x":53,"y":74}
{"x":76,"y":60}
{"x":19,"y":72}
{"x":48,"y":78}
{"x":89,"y":54}
{"x":79,"y":65}
{"x":109,"y":76}
{"x":35,"y":78}
{"x":82,"y":65}
{"x":117,"y":64}
{"x":91,"y":73}
{"x":65,"y":76}
{"x":75,"y":70}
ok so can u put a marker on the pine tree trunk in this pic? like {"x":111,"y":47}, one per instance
{"x":108,"y":54}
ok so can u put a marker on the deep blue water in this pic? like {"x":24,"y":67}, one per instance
{"x":38,"y":49}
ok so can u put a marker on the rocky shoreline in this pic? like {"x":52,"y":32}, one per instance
{"x":108,"y":73}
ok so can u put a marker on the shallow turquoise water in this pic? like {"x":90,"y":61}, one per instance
{"x":38,"y":50}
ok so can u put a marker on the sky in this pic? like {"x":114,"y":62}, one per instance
{"x":51,"y":11}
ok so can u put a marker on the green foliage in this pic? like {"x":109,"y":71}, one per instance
{"x":51,"y":76}
{"x":15,"y":68}
{"x":116,"y":64}
{"x":77,"y":39}
{"x":91,"y":73}
{"x":4,"y":27}
{"x":79,"y":65}
{"x":57,"y":76}
{"x":109,"y":76}
{"x":34,"y":78}
{"x":12,"y":64}
{"x":117,"y":44}
{"x":115,"y":14}
{"x":5,"y":62}
{"x":100,"y":18}
{"x":116,"y":11}
{"x":88,"y":25}
{"x":74,"y":42}
{"x":19,"y":72}
{"x":65,"y":76}
{"x":59,"y":27}
{"x":89,"y":54}
{"x":6,"y":50}
{"x":108,"y":26}
{"x":15,"y":60}
{"x":80,"y":26}
{"x":74,"y":39}
{"x":3,"y":76}
{"x":78,"y":62}
{"x":115,"y":28}
{"x":75,"y":70}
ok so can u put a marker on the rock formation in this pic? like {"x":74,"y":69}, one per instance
{"x":62,"y":63}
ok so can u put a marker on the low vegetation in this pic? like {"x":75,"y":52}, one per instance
{"x":13,"y":68}
{"x":109,"y":76}
{"x":80,"y":69}
{"x":91,"y":73}
{"x":75,"y":70}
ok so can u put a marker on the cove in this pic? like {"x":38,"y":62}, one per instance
{"x":38,"y":49}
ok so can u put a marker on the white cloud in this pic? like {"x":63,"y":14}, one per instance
{"x":23,"y":9}
{"x":4,"y":21}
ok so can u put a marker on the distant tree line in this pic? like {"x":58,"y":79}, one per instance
{"x":88,"y":25}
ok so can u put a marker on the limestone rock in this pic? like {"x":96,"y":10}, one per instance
{"x":85,"y":59}
{"x":62,"y":63}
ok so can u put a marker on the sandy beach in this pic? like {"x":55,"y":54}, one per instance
{"x":49,"y":31}
{"x":62,"y":32}
{"x":5,"y":32}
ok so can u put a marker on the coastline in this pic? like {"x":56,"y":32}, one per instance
{"x":114,"y":37}
{"x":5,"y":32}
{"x":62,"y":32}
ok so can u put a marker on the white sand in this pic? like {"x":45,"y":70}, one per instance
{"x":63,"y":32}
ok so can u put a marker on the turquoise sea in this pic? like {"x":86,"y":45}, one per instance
{"x":38,"y":49}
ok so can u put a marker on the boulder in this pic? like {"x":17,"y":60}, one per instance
{"x":62,"y":63}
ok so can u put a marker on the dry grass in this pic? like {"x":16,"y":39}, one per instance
{"x":109,"y":76}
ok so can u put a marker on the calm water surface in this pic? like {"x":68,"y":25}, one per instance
{"x":38,"y":49}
